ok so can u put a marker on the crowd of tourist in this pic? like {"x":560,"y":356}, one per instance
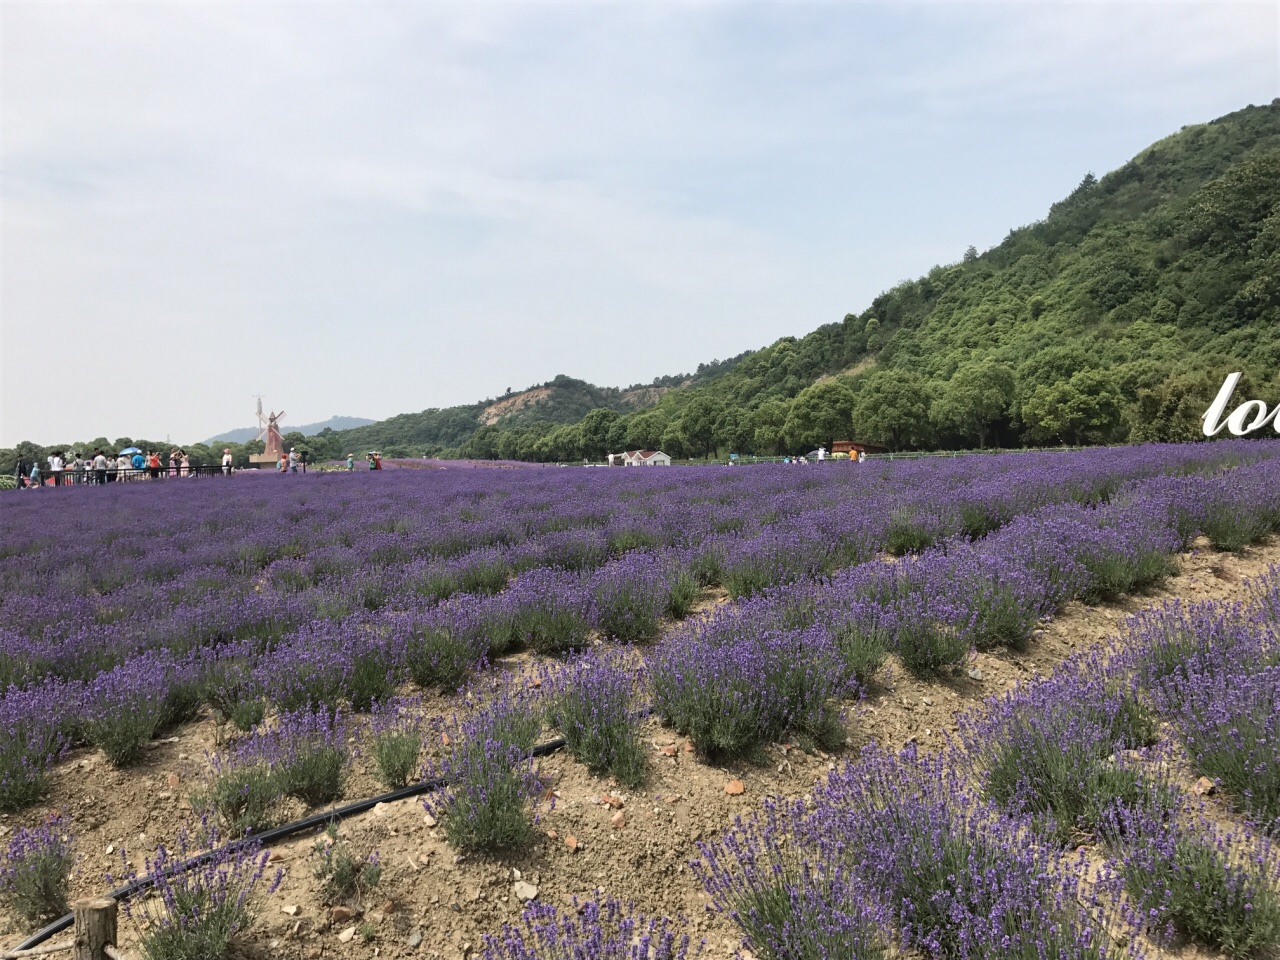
{"x":63,"y":468}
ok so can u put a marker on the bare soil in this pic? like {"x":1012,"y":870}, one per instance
{"x":445,"y":904}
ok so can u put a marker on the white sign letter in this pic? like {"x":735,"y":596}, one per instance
{"x":1213,"y":422}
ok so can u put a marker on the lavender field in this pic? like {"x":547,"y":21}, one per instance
{"x":187,"y":664}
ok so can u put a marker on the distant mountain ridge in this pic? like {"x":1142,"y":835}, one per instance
{"x":245,"y":434}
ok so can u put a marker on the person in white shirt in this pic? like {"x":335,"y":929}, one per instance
{"x":822,"y":454}
{"x":55,"y":468}
{"x":226,"y":461}
{"x":99,"y":468}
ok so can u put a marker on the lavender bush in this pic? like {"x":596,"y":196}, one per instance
{"x":1192,"y":878}
{"x":592,"y":702}
{"x":243,"y":795}
{"x":36,"y":869}
{"x":957,"y":879}
{"x":32,"y":737}
{"x":631,"y":595}
{"x":1168,"y":638}
{"x":790,"y":902}
{"x":729,"y":694}
{"x":395,"y":740}
{"x":196,"y":913}
{"x":231,"y":686}
{"x":491,"y":775}
{"x":1241,"y":509}
{"x":438,"y":657}
{"x":546,"y":610}
{"x":1230,"y":725}
{"x":1124,"y":548}
{"x":597,"y":930}
{"x":927,"y":645}
{"x":121,"y":710}
{"x":1054,"y":749}
{"x":1210,"y":670}
{"x":307,"y":752}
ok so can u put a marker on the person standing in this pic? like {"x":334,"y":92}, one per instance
{"x":122,"y":467}
{"x":139,"y":463}
{"x":293,"y":459}
{"x":33,"y":480}
{"x":55,"y":468}
{"x":351,"y":462}
{"x":153,"y":465}
{"x":99,"y":468}
{"x":184,"y":464}
{"x":226,"y":461}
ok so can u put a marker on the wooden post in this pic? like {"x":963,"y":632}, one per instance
{"x":95,"y":927}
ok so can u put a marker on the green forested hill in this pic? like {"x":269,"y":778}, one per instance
{"x":1115,"y":317}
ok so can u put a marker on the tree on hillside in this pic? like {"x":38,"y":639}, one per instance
{"x":562,"y":443}
{"x":767,"y":423}
{"x":975,"y":400}
{"x":892,"y":408}
{"x":1084,"y":409}
{"x":645,"y":430}
{"x":820,"y":414}
{"x":1229,"y":212}
{"x":696,"y":426}
{"x":595,"y":427}
{"x":1171,"y":412}
{"x":734,"y":430}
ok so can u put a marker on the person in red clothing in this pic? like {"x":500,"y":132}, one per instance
{"x":153,"y":464}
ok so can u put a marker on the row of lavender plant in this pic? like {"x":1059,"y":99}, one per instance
{"x":1080,"y":756}
{"x":253,"y":561}
{"x":778,"y":661}
{"x":815,"y":643}
{"x":966,"y":853}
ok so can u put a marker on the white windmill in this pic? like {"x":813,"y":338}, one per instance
{"x":263,"y":423}
{"x":268,"y":431}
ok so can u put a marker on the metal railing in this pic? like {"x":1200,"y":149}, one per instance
{"x":90,"y":477}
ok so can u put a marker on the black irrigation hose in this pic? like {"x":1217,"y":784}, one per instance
{"x":271,"y":836}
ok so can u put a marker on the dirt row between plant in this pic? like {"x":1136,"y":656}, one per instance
{"x":636,"y":847}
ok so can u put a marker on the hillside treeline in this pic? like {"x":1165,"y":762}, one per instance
{"x":1114,"y":318}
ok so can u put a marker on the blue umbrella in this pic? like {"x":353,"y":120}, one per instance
{"x":128,"y":450}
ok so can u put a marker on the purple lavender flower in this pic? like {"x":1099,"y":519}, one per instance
{"x":33,"y":734}
{"x":197,"y":911}
{"x":1185,"y":875}
{"x":491,"y":774}
{"x":598,"y":930}
{"x":591,"y":700}
{"x":790,"y":900}
{"x":36,"y":868}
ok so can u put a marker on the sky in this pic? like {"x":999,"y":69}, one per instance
{"x":367,"y":209}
